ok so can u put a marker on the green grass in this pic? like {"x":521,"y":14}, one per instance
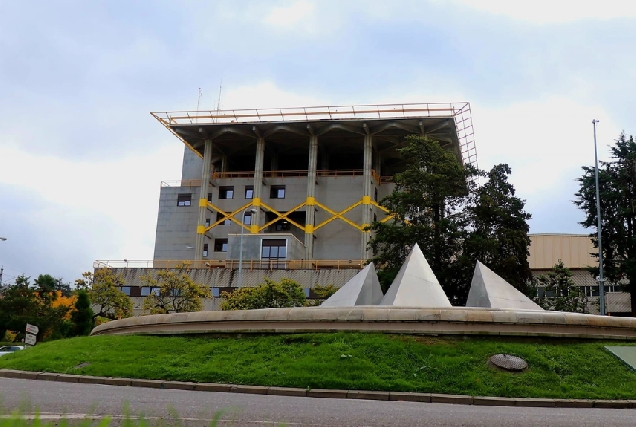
{"x":558,"y":368}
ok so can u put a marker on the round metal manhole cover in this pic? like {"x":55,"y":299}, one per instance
{"x":508,"y":362}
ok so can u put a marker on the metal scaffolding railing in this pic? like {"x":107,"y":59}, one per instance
{"x":378,"y":111}
{"x":460,"y":111}
{"x":232,"y":264}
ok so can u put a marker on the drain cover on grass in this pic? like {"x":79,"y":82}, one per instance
{"x":508,"y":362}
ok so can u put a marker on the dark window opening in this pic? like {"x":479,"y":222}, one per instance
{"x":226,"y":192}
{"x":207,"y":222}
{"x":249,"y":191}
{"x":220,"y":245}
{"x":205,"y":249}
{"x":274,"y":249}
{"x":375,"y":218}
{"x":282,"y":225}
{"x":375,"y":195}
{"x":184,"y":199}
{"x":277,"y":192}
{"x":209,"y":197}
{"x":219,"y":217}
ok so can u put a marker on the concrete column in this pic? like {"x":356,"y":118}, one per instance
{"x":224,"y":163}
{"x":324,"y":160}
{"x":366,"y":193}
{"x":274,"y":162}
{"x":258,"y":184}
{"x":377,"y":164}
{"x":310,"y":210}
{"x":203,"y":199}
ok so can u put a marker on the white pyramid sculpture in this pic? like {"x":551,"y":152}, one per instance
{"x":489,"y":290}
{"x":416,"y":285}
{"x":361,"y":289}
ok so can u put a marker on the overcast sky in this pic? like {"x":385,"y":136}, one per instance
{"x":81,"y":159}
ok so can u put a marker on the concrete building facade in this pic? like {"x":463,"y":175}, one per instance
{"x":290,"y":188}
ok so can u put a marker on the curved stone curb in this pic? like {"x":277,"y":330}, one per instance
{"x":385,"y":319}
{"x":325,"y":393}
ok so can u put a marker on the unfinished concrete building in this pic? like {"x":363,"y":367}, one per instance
{"x":298,"y":186}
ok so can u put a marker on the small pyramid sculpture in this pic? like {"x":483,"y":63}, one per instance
{"x":416,"y":285}
{"x":361,"y":289}
{"x":489,"y":290}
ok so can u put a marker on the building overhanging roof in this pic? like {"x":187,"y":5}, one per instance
{"x":447,"y":123}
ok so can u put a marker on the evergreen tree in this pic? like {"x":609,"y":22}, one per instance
{"x":617,"y":188}
{"x":82,"y":316}
{"x":437,"y":204}
{"x":499,"y":229}
{"x":557,"y":291}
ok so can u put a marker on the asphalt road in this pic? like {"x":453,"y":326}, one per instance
{"x":197,"y":408}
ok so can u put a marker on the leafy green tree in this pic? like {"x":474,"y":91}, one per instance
{"x":271,"y":294}
{"x":103,"y":291}
{"x":498,"y":235}
{"x":617,"y":188}
{"x":437,"y":204}
{"x":82,"y":316}
{"x":428,"y":206}
{"x":176,"y":292}
{"x":557,"y":291}
{"x":24,"y":303}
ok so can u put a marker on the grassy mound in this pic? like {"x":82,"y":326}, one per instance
{"x":558,"y":368}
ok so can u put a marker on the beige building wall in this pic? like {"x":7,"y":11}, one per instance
{"x":573,"y":249}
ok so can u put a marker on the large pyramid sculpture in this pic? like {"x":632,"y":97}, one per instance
{"x":361,"y":289}
{"x":416,"y":285}
{"x":491,"y":291}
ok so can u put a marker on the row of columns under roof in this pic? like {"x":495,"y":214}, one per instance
{"x":311,"y":191}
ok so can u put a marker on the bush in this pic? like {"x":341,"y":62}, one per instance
{"x":270,"y":294}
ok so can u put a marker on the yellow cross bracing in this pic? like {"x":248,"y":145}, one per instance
{"x":310,"y":201}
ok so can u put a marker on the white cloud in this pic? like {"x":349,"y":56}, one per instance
{"x":555,"y":11}
{"x":123,"y":194}
{"x":291,"y":16}
{"x":266,"y":95}
{"x":545,"y":143}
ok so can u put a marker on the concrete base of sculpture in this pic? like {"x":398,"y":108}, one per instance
{"x":387,"y":319}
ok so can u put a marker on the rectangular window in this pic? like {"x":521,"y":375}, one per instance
{"x":216,"y":292}
{"x":209,"y":197}
{"x":207,"y":222}
{"x":184,"y":199}
{"x":274,"y":249}
{"x":219,"y":217}
{"x":306,"y":292}
{"x":145,"y":291}
{"x":375,"y":195}
{"x":277,"y":192}
{"x":125,"y":290}
{"x":247,"y":219}
{"x":249,"y":191}
{"x":220,"y":245}
{"x":375,"y":217}
{"x":226,"y":192}
{"x":205,"y":249}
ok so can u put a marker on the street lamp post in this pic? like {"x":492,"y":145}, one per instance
{"x":240,"y":270}
{"x":2,"y":268}
{"x":601,"y":280}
